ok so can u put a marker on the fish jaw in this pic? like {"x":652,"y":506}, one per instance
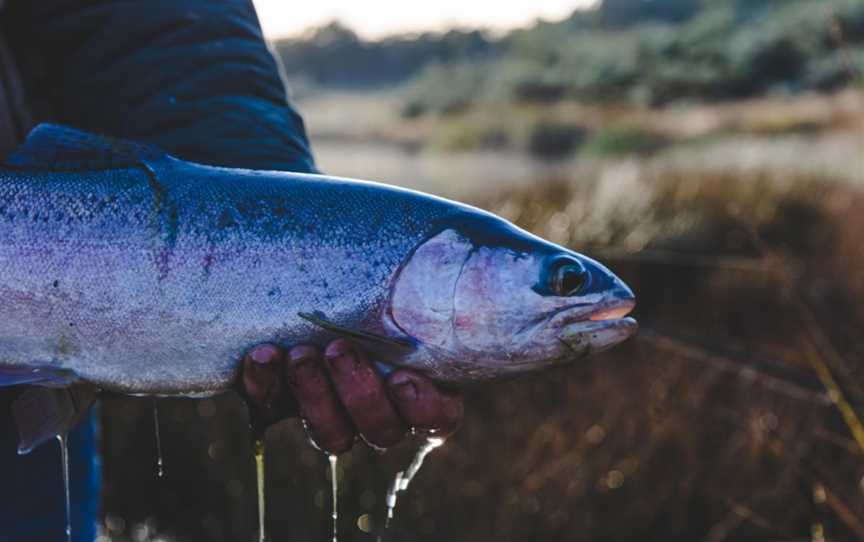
{"x":608,"y":326}
{"x":590,"y":337}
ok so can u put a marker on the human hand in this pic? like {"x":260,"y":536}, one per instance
{"x":340,"y":395}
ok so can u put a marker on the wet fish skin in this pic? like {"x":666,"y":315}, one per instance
{"x":154,"y":275}
{"x":157,"y":283}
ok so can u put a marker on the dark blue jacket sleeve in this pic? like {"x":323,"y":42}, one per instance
{"x":192,"y":76}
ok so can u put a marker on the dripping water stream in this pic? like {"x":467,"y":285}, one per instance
{"x":334,"y":486}
{"x":160,"y":471}
{"x":259,"y":475}
{"x":64,"y":460}
{"x":403,"y":479}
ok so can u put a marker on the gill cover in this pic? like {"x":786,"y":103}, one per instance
{"x":422,"y":302}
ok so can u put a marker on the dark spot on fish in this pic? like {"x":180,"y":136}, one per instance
{"x":56,"y":284}
{"x":158,"y":190}
{"x":208,"y":261}
{"x":274,"y":292}
{"x":280,"y":209}
{"x":100,"y":206}
{"x":173,"y":225}
{"x":226,"y":220}
{"x":163,"y":260}
{"x":164,"y":221}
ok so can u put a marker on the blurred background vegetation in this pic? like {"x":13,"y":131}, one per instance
{"x":645,"y":52}
{"x":712,"y":153}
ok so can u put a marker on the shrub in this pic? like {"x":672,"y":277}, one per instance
{"x":619,"y":140}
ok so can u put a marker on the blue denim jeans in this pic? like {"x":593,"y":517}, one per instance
{"x":32,"y":503}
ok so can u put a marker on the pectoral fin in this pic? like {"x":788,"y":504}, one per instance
{"x":43,"y":376}
{"x":43,"y":413}
{"x":380,"y":346}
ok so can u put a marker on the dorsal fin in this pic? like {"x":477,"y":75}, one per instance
{"x":60,"y":148}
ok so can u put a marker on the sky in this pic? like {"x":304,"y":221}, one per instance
{"x":376,"y":18}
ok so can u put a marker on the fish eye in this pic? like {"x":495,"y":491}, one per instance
{"x":568,"y":278}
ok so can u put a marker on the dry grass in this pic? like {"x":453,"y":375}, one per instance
{"x":714,"y":424}
{"x":375,"y":117}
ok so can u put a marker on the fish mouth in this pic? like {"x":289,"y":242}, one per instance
{"x":603,"y":311}
{"x":615,"y":309}
{"x":602,"y":328}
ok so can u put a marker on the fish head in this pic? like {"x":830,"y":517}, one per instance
{"x":487,"y":299}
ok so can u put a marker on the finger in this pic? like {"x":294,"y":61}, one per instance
{"x":327,"y":422}
{"x":426,"y":407}
{"x":362,"y":392}
{"x":262,"y":381}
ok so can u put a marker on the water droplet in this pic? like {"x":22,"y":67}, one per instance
{"x":64,"y":461}
{"x":364,"y":523}
{"x":334,"y":485}
{"x":259,"y":472}
{"x":403,"y":479}
{"x":308,"y":433}
{"x":160,"y":471}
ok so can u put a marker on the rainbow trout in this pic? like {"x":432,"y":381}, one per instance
{"x":124,"y":267}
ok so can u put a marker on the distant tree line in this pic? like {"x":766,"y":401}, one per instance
{"x":648,"y":51}
{"x":334,"y":55}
